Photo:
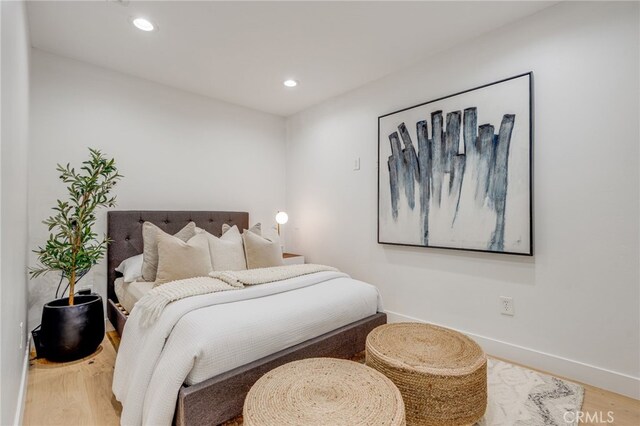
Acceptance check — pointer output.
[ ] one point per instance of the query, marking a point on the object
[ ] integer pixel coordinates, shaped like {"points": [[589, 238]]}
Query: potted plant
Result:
{"points": [[72, 327]]}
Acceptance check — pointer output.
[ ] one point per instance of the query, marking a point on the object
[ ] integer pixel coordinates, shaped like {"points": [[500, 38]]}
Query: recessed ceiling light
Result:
{"points": [[290, 83], [143, 24]]}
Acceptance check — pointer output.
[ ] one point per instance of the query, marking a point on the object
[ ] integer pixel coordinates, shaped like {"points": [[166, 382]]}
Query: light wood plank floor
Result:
{"points": [[77, 393], [80, 394]]}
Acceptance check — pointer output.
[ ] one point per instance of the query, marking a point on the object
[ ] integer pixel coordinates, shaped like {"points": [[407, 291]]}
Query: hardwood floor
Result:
{"points": [[77, 393], [80, 394]]}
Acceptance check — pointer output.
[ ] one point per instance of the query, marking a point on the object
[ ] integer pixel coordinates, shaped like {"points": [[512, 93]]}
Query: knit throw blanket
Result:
{"points": [[268, 275], [153, 303]]}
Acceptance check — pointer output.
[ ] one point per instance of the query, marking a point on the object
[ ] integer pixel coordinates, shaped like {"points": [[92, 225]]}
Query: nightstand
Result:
{"points": [[292, 259]]}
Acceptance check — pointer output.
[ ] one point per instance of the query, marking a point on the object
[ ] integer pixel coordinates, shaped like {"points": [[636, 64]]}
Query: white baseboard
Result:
{"points": [[571, 369], [22, 393]]}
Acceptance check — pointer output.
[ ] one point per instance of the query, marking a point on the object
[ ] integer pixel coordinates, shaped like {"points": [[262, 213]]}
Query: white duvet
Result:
{"points": [[202, 336]]}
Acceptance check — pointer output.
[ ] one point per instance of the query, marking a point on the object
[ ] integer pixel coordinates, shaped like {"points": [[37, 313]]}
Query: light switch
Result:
{"points": [[356, 164]]}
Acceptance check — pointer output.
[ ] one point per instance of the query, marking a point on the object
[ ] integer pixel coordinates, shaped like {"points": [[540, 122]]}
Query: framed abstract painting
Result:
{"points": [[456, 172]]}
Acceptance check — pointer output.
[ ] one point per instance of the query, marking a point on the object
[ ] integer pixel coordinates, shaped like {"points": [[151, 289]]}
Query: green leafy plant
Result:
{"points": [[73, 247]]}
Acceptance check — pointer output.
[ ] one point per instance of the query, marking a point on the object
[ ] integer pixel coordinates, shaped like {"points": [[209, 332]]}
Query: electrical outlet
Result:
{"points": [[506, 306], [21, 334]]}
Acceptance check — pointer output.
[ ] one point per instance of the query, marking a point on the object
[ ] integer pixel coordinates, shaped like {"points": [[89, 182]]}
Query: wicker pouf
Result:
{"points": [[441, 374], [323, 391]]}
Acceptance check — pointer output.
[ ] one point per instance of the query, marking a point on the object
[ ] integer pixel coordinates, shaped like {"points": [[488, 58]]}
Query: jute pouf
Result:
{"points": [[441, 374], [323, 391]]}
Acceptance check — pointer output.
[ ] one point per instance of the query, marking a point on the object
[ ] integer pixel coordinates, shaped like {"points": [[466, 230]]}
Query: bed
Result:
{"points": [[219, 397]]}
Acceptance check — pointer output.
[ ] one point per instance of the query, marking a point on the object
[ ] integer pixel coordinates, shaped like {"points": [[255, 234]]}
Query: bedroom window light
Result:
{"points": [[143, 24]]}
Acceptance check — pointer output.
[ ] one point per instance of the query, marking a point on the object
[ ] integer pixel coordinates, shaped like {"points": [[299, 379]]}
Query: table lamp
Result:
{"points": [[281, 219]]}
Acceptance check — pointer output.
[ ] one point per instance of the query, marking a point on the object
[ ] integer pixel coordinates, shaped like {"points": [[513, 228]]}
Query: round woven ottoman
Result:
{"points": [[441, 374], [323, 391]]}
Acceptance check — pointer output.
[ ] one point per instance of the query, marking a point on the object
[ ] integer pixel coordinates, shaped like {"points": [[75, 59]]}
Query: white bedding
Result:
{"points": [[129, 293], [203, 336]]}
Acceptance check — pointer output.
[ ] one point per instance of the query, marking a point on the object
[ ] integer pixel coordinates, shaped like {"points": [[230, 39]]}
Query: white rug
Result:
{"points": [[522, 397]]}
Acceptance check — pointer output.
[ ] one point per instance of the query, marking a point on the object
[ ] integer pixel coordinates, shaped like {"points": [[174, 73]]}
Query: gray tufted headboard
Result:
{"points": [[124, 229]]}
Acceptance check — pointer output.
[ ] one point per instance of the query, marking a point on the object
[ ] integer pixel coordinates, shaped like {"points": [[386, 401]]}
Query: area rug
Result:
{"points": [[517, 396], [522, 397]]}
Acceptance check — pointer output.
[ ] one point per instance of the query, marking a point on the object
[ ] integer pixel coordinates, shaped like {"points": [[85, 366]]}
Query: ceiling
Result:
{"points": [[241, 52]]}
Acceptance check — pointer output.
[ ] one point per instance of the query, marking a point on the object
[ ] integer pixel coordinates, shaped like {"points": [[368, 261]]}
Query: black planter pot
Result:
{"points": [[71, 332]]}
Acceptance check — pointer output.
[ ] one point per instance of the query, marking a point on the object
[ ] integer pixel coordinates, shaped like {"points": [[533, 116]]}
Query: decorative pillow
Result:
{"points": [[261, 252], [150, 234], [178, 260], [256, 229], [131, 268], [226, 252]]}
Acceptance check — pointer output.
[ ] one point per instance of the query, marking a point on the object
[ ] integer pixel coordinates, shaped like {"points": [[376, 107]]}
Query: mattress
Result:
{"points": [[255, 328], [129, 293], [203, 336]]}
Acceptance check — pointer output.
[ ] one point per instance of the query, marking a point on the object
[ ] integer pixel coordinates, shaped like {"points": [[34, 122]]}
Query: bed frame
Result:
{"points": [[219, 398]]}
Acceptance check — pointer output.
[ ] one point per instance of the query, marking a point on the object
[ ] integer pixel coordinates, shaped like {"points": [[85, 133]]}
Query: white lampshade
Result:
{"points": [[282, 218], [143, 24]]}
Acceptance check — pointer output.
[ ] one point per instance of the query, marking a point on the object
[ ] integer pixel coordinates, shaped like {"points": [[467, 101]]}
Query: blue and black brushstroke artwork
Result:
{"points": [[437, 167]]}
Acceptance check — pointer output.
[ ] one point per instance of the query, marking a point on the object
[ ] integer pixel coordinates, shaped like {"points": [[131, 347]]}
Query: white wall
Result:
{"points": [[576, 301], [14, 89], [177, 151]]}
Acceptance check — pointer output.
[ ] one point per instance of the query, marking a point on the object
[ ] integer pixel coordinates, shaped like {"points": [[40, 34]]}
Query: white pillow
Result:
{"points": [[261, 252], [256, 229], [131, 268], [227, 253], [178, 260], [150, 246]]}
